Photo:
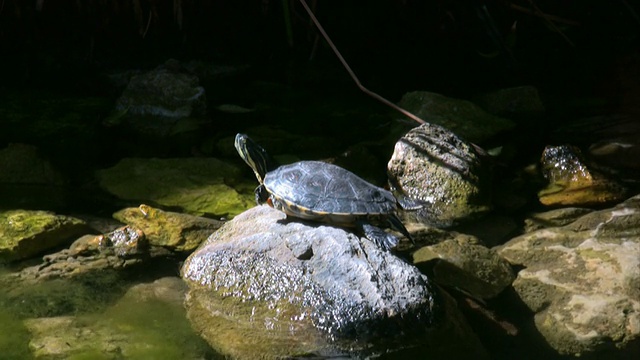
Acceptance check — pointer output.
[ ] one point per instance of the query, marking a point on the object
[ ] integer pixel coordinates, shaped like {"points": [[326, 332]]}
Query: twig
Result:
{"points": [[144, 34], [544, 15], [351, 73], [633, 13], [550, 23]]}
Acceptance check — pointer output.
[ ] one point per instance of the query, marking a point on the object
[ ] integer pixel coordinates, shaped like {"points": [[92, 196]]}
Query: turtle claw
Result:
{"points": [[380, 237]]}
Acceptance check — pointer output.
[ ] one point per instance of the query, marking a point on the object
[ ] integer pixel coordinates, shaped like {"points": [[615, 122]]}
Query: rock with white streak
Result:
{"points": [[582, 280]]}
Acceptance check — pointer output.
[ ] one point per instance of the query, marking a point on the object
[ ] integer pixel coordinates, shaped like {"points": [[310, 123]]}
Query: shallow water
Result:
{"points": [[93, 317]]}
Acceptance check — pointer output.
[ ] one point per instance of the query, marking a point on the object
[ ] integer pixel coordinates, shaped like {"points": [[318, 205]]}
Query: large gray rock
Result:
{"points": [[265, 287], [582, 280], [434, 166]]}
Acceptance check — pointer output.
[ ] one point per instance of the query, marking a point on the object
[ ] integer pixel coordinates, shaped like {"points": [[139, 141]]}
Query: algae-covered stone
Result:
{"points": [[175, 231], [25, 233], [197, 185], [571, 182], [441, 171], [460, 116], [466, 264]]}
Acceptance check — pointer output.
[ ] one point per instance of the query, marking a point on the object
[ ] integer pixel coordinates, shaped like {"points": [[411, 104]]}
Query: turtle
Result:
{"points": [[322, 192]]}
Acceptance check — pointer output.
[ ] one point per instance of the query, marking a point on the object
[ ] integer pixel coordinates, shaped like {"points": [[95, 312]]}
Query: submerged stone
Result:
{"points": [[147, 323]]}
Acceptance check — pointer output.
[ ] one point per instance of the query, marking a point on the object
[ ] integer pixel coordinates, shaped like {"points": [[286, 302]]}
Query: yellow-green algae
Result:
{"points": [[25, 233], [180, 232], [197, 185]]}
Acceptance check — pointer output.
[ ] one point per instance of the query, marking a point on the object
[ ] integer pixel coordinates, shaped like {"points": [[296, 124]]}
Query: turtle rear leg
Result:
{"points": [[396, 224], [379, 237]]}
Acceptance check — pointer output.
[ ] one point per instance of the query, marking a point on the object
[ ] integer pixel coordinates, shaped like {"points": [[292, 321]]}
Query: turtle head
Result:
{"points": [[254, 155]]}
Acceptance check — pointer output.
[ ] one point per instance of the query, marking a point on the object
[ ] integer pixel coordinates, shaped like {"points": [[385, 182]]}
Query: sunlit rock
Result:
{"points": [[571, 182], [24, 233], [171, 230], [441, 172], [197, 185], [263, 286], [89, 254], [582, 280]]}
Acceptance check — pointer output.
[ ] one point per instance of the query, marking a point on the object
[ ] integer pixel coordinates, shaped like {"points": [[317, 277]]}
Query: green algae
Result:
{"points": [[196, 185], [26, 233]]}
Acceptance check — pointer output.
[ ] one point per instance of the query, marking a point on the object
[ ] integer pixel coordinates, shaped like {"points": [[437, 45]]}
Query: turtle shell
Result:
{"points": [[321, 191]]}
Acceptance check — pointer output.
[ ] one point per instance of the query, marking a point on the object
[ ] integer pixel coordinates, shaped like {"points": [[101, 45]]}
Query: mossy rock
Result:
{"points": [[196, 185], [460, 116], [24, 233]]}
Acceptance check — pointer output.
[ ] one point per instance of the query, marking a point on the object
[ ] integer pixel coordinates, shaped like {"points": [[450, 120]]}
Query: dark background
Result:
{"points": [[453, 47]]}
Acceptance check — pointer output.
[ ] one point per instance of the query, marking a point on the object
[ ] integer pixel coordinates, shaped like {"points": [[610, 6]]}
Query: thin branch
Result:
{"points": [[541, 14], [148, 24], [550, 23], [631, 11], [351, 73]]}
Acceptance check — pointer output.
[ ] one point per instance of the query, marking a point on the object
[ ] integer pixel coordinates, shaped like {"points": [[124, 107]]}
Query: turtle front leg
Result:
{"points": [[262, 195], [379, 237]]}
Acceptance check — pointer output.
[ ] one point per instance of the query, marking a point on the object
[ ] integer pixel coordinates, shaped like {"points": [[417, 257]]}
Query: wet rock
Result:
{"points": [[171, 230], [572, 183], [460, 116], [24, 233], [116, 250], [197, 185], [155, 102], [466, 264], [21, 164], [432, 165], [618, 157], [553, 218], [26, 178], [582, 281], [516, 102], [147, 323], [262, 286]]}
